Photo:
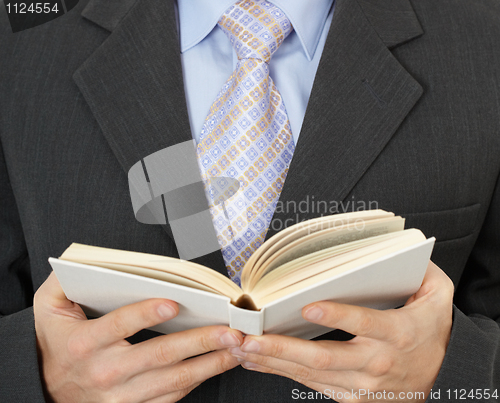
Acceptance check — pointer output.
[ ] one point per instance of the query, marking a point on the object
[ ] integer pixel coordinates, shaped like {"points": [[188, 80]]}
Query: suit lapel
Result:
{"points": [[134, 86], [360, 96], [133, 81]]}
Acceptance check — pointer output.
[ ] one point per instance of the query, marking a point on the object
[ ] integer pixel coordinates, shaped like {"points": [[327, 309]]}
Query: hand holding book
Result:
{"points": [[373, 265], [397, 352], [90, 360]]}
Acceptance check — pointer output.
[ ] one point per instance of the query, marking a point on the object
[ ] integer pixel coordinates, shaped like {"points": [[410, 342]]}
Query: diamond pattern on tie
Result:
{"points": [[247, 135]]}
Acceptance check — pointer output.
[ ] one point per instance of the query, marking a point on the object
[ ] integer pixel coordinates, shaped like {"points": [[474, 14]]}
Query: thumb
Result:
{"points": [[436, 284], [50, 296]]}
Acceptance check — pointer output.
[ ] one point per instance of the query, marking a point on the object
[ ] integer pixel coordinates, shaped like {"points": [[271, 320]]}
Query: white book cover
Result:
{"points": [[384, 283]]}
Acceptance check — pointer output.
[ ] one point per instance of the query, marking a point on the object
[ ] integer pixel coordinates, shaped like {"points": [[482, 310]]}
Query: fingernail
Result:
{"points": [[237, 352], [166, 311], [314, 313], [249, 365], [229, 340], [251, 346]]}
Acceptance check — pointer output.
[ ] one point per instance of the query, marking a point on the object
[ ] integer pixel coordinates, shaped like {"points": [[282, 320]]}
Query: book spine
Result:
{"points": [[246, 321]]}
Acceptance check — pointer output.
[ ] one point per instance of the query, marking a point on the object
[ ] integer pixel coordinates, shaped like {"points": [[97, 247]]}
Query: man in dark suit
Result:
{"points": [[404, 110]]}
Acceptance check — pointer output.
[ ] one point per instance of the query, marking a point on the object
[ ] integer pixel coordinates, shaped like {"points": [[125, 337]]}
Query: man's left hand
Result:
{"points": [[398, 350]]}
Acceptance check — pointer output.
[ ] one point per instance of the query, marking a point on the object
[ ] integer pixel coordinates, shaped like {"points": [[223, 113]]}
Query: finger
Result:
{"points": [[321, 355], [170, 349], [50, 299], [128, 320], [181, 376], [297, 371], [356, 320]]}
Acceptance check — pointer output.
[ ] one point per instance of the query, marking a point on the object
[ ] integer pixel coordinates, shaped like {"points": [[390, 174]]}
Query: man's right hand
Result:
{"points": [[89, 360]]}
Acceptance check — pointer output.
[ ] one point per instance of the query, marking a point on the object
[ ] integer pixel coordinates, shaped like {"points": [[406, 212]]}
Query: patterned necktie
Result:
{"points": [[247, 135]]}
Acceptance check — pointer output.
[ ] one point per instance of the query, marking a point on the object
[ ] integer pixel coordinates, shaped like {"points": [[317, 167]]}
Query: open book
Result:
{"points": [[364, 258]]}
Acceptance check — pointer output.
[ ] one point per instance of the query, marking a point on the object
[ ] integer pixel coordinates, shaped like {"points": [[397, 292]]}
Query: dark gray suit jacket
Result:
{"points": [[405, 111]]}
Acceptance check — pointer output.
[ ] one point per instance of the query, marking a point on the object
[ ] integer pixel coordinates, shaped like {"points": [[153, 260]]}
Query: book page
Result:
{"points": [[300, 230], [307, 266], [98, 256], [349, 232], [156, 274], [327, 269]]}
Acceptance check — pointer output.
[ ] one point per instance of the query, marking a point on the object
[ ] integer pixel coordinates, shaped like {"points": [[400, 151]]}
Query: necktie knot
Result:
{"points": [[256, 28]]}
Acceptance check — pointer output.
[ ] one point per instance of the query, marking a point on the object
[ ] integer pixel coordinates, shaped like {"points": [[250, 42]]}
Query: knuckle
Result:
{"points": [[302, 372], [277, 350], [103, 377], [205, 342], [323, 360], [183, 379], [118, 326], [163, 354], [365, 325], [380, 366], [405, 340]]}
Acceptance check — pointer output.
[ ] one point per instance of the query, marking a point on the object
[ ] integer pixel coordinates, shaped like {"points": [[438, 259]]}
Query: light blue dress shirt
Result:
{"points": [[208, 59]]}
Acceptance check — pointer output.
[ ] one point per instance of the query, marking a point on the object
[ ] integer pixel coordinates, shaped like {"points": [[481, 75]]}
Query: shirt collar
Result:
{"points": [[197, 18]]}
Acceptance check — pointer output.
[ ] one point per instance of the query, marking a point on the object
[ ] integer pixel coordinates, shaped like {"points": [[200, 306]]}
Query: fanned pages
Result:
{"points": [[124, 260]]}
